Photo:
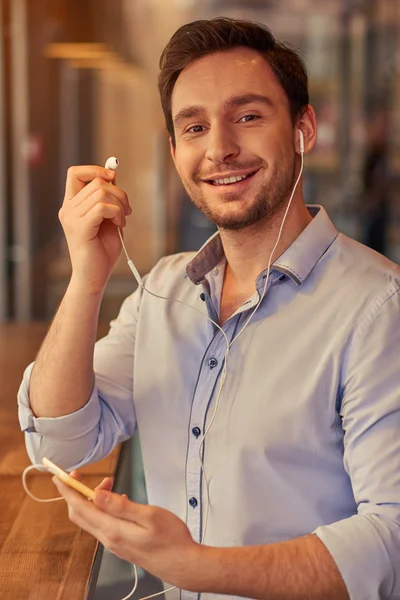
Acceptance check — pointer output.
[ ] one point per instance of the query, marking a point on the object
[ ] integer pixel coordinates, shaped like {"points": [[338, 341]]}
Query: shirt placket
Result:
{"points": [[207, 386]]}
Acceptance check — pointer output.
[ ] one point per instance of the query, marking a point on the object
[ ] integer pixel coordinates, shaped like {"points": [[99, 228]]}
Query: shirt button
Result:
{"points": [[212, 362], [202, 296], [196, 431], [193, 502]]}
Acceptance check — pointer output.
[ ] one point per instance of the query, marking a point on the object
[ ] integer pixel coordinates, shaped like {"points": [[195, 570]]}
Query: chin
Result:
{"points": [[237, 220]]}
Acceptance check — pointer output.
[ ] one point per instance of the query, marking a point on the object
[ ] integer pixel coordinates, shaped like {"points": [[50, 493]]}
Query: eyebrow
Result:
{"points": [[233, 102]]}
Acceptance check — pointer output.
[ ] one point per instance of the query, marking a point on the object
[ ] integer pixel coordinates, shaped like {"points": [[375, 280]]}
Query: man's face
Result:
{"points": [[232, 119]]}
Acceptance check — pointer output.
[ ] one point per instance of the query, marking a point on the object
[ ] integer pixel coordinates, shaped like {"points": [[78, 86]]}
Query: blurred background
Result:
{"points": [[78, 83]]}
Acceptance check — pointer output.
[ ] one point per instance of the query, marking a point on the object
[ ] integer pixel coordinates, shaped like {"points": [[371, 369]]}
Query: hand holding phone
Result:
{"points": [[80, 487]]}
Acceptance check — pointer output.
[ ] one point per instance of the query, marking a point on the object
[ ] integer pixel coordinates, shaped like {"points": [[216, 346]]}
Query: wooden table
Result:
{"points": [[43, 556]]}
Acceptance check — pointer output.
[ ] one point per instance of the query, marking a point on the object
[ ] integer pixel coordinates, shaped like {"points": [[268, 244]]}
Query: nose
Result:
{"points": [[221, 145]]}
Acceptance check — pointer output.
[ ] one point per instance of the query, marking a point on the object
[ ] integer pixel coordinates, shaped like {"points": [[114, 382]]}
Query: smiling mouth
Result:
{"points": [[229, 181]]}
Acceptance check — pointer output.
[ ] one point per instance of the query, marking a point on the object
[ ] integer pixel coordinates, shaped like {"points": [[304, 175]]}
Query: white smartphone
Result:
{"points": [[83, 488]]}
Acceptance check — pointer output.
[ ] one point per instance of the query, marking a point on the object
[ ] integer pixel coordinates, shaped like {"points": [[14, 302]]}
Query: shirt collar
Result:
{"points": [[297, 261]]}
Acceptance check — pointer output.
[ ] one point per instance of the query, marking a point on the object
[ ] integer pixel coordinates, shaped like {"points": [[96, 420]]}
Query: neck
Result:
{"points": [[248, 251]]}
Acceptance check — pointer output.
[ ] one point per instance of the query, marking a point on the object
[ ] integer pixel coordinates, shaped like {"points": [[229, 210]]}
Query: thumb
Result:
{"points": [[106, 484], [117, 506]]}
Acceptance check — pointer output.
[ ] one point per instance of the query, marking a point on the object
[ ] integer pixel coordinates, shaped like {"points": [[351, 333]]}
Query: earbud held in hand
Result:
{"points": [[111, 163]]}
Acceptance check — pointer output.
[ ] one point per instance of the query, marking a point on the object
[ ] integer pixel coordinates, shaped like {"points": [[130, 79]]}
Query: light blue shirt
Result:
{"points": [[307, 433]]}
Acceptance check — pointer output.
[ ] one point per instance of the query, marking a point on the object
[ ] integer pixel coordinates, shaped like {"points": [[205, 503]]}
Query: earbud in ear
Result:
{"points": [[301, 141]]}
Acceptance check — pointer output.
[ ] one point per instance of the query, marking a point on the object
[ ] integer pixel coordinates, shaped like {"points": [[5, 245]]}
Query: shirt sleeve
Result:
{"points": [[108, 418], [366, 546]]}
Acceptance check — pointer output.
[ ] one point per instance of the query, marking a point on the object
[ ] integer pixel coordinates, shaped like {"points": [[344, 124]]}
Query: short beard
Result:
{"points": [[268, 202]]}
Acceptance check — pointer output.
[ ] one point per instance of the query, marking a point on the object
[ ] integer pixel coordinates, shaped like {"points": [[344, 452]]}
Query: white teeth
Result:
{"points": [[227, 180]]}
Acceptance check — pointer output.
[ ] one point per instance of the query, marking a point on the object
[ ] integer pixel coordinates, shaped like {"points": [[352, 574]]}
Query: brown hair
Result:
{"points": [[200, 38]]}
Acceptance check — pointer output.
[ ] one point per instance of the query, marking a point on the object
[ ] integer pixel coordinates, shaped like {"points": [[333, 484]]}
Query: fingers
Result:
{"points": [[80, 511], [103, 189], [94, 193], [106, 484], [95, 217], [110, 531], [78, 177], [123, 508], [100, 196], [97, 190]]}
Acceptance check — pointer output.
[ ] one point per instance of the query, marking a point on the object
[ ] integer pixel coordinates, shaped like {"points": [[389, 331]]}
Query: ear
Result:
{"points": [[307, 124]]}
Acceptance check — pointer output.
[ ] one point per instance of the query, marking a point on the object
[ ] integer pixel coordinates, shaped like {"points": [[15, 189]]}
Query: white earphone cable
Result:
{"points": [[224, 371], [272, 253]]}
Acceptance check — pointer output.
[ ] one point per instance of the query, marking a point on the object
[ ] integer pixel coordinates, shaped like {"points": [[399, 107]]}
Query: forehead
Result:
{"points": [[210, 80]]}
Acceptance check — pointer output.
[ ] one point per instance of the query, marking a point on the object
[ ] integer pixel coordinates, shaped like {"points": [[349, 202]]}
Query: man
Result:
{"points": [[302, 457]]}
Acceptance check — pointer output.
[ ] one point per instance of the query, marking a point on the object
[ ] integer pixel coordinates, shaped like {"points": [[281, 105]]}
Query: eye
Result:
{"points": [[195, 129], [249, 118]]}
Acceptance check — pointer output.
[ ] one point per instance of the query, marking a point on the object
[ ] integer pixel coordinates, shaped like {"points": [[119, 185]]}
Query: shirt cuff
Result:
{"points": [[68, 427], [360, 555]]}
